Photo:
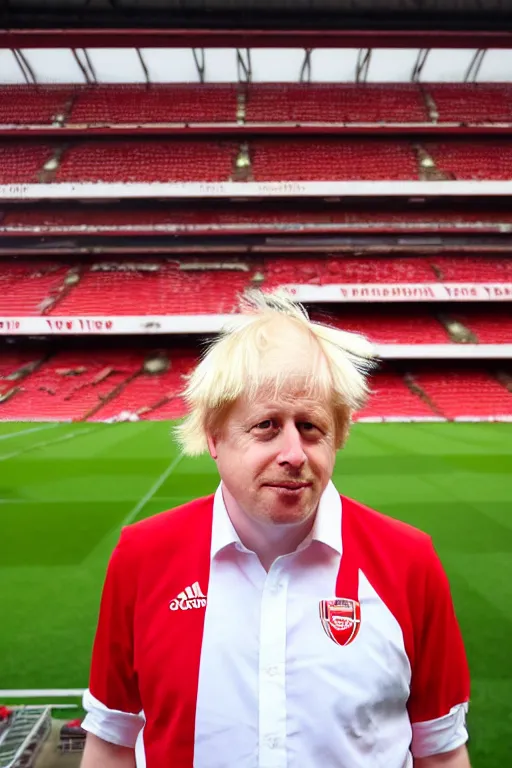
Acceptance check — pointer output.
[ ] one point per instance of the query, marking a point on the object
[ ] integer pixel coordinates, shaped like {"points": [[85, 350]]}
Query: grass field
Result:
{"points": [[66, 490]]}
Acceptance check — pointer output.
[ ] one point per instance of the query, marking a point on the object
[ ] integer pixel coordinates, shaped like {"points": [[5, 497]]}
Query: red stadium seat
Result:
{"points": [[335, 103], [33, 105], [158, 103], [149, 161], [460, 393], [391, 398]]}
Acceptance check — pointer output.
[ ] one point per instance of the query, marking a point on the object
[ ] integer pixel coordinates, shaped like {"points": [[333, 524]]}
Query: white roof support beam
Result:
{"points": [[144, 66], [25, 68], [364, 57], [200, 62], [244, 65], [81, 66], [475, 65], [255, 65], [419, 64], [305, 70]]}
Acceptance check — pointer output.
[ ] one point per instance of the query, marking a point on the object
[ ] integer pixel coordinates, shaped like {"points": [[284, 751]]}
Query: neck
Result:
{"points": [[266, 539]]}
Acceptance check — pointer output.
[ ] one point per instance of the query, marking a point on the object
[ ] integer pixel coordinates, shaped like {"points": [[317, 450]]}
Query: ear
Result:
{"points": [[212, 445]]}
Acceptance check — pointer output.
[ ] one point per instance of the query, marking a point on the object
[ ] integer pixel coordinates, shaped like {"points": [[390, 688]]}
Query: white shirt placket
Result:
{"points": [[272, 669]]}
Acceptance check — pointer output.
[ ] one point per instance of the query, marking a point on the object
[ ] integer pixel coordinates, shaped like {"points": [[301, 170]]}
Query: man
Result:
{"points": [[276, 623]]}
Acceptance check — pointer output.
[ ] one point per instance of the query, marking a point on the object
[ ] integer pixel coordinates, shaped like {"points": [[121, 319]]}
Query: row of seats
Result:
{"points": [[265, 160], [296, 103], [402, 269], [446, 393], [157, 287], [93, 219], [101, 385]]}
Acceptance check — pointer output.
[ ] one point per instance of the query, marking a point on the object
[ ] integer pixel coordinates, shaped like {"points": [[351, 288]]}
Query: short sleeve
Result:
{"points": [[440, 682], [112, 700]]}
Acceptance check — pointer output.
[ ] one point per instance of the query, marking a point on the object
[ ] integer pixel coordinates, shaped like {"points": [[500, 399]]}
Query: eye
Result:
{"points": [[264, 425], [309, 428]]}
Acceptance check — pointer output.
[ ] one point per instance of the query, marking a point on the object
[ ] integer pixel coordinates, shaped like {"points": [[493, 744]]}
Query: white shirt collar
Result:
{"points": [[326, 528]]}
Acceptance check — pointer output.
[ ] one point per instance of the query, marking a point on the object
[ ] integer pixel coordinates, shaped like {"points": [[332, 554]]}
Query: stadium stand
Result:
{"points": [[472, 268], [472, 102], [137, 104], [126, 104], [147, 161], [491, 325], [30, 288], [101, 384], [391, 396], [209, 286], [331, 160], [466, 394], [21, 163], [160, 287], [28, 105], [263, 160], [476, 160], [396, 325]]}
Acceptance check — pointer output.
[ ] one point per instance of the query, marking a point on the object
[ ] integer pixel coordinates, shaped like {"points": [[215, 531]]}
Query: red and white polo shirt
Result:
{"points": [[346, 654]]}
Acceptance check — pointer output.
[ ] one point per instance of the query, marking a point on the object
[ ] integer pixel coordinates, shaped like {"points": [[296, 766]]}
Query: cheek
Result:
{"points": [[322, 459], [245, 462]]}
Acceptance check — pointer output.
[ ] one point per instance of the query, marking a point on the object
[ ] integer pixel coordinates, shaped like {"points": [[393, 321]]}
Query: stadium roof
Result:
{"points": [[230, 65], [251, 14]]}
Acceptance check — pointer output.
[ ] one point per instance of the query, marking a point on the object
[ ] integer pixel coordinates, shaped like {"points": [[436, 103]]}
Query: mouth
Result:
{"points": [[289, 486]]}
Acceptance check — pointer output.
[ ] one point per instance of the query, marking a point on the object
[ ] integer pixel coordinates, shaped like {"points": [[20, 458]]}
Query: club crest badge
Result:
{"points": [[341, 619]]}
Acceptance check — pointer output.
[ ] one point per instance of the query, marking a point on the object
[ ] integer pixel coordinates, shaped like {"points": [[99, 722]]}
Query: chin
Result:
{"points": [[289, 515]]}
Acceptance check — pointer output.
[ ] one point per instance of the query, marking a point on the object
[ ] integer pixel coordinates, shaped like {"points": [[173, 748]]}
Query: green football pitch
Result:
{"points": [[67, 489]]}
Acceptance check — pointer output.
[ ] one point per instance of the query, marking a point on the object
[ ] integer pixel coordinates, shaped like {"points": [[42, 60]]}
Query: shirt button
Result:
{"points": [[272, 671], [273, 742]]}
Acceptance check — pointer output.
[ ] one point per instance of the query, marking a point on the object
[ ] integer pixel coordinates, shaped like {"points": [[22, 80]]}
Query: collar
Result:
{"points": [[326, 528]]}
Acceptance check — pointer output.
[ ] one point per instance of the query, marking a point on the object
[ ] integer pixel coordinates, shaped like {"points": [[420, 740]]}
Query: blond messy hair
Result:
{"points": [[250, 355]]}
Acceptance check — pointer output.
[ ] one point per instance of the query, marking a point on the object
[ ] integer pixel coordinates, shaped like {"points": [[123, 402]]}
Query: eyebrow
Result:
{"points": [[316, 414]]}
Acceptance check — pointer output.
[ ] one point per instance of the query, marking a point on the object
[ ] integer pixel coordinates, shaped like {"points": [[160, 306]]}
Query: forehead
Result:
{"points": [[291, 402]]}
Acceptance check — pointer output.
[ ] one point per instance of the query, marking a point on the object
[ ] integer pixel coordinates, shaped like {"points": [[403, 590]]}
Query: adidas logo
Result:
{"points": [[191, 597]]}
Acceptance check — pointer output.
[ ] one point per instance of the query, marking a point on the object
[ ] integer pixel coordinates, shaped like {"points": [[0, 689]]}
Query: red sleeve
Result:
{"points": [[440, 674], [113, 680]]}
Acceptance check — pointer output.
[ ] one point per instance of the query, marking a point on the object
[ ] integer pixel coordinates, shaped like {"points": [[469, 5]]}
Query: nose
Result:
{"points": [[291, 450]]}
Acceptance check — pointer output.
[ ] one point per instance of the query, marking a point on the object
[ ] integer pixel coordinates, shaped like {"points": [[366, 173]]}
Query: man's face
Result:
{"points": [[276, 455]]}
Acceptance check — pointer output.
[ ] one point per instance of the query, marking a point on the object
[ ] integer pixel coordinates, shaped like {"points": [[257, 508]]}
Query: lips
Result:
{"points": [[289, 486]]}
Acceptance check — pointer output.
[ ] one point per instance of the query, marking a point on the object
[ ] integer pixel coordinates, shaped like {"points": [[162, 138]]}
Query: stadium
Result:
{"points": [[152, 172]]}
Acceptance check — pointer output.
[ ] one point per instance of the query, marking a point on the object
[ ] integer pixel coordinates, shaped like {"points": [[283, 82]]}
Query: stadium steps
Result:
{"points": [[60, 292], [458, 332], [112, 395], [427, 166], [505, 379], [241, 105], [416, 389], [48, 172], [64, 116], [430, 104], [26, 734], [18, 375], [242, 165], [149, 409]]}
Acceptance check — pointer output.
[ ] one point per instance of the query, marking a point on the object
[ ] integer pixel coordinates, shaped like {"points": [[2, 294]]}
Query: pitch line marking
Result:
{"points": [[132, 514], [47, 443], [154, 488], [34, 693], [28, 431]]}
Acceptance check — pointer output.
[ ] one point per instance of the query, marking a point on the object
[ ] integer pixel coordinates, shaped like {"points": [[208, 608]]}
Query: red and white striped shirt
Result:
{"points": [[204, 659]]}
